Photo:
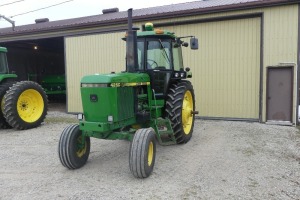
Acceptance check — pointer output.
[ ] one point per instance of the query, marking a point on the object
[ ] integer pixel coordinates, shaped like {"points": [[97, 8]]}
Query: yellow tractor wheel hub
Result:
{"points": [[187, 109], [80, 150], [150, 154], [2, 104], [30, 105]]}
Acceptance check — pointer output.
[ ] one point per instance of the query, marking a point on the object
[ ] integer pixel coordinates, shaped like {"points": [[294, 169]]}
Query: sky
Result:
{"points": [[70, 9]]}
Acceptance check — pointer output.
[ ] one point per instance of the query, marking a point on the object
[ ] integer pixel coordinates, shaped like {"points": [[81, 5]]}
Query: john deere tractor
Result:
{"points": [[23, 104], [151, 101]]}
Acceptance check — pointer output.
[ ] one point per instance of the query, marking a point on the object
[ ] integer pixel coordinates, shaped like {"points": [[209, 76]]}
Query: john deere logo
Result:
{"points": [[93, 98]]}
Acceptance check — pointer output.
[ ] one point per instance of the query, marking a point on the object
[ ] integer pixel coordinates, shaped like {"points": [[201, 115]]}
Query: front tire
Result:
{"points": [[25, 105], [73, 152], [142, 153], [180, 106]]}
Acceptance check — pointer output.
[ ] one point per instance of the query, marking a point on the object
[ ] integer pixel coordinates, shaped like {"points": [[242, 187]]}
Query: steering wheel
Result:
{"points": [[150, 63]]}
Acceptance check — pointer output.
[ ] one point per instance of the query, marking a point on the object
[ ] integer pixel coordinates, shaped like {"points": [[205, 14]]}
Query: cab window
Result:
{"points": [[177, 57], [3, 63], [140, 52], [159, 55]]}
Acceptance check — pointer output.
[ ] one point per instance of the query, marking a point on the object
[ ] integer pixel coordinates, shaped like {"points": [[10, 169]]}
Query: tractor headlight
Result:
{"points": [[80, 116], [176, 75], [110, 118], [182, 75]]}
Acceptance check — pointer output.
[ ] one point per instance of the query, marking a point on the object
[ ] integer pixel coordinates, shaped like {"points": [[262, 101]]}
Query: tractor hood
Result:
{"points": [[109, 98], [116, 79]]}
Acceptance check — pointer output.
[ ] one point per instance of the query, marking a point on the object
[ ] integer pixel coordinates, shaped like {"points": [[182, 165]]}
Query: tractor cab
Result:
{"points": [[3, 61], [159, 54]]}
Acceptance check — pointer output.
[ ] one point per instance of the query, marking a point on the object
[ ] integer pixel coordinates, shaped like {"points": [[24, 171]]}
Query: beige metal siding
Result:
{"points": [[280, 35], [91, 54], [280, 44], [226, 67]]}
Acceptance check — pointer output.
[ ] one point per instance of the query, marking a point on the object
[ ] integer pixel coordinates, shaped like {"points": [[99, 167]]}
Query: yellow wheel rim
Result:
{"points": [[150, 154], [30, 105], [2, 104], [81, 150], [187, 108]]}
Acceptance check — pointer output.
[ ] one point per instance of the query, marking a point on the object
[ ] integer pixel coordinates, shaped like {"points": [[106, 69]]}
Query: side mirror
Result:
{"points": [[176, 45], [194, 43], [185, 44]]}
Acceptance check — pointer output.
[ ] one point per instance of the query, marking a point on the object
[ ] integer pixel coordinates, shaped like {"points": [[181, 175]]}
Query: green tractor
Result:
{"points": [[151, 101], [54, 84], [55, 87], [23, 104]]}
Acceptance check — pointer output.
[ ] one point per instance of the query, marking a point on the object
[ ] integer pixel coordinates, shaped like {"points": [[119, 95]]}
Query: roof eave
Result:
{"points": [[224, 8], [183, 13]]}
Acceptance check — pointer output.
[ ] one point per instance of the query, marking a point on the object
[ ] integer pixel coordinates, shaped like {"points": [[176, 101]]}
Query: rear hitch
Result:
{"points": [[194, 112]]}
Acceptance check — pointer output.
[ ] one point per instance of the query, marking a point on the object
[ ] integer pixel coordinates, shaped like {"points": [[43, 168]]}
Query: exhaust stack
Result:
{"points": [[131, 46]]}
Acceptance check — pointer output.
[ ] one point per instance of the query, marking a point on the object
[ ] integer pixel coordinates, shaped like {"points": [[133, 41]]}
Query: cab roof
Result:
{"points": [[3, 49], [156, 33]]}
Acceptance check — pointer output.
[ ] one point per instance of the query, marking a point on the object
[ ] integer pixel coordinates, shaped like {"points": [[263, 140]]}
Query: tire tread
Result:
{"points": [[10, 108], [66, 156], [173, 109], [138, 155], [4, 87]]}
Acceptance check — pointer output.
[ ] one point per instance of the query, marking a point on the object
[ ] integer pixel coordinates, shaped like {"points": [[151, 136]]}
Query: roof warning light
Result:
{"points": [[149, 26]]}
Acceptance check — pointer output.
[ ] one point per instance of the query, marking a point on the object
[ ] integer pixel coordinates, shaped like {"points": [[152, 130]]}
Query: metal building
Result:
{"points": [[246, 67]]}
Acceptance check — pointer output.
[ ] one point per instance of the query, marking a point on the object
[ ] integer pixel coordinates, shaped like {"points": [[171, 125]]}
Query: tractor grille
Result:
{"points": [[125, 102]]}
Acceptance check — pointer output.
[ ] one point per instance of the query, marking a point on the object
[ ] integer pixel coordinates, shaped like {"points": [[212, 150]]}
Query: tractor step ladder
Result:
{"points": [[165, 134]]}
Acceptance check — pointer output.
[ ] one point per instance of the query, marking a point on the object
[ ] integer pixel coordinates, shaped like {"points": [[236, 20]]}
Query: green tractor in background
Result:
{"points": [[24, 104], [55, 87], [149, 102], [53, 84]]}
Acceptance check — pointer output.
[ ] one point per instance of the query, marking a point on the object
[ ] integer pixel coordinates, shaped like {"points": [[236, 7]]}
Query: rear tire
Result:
{"points": [[3, 88], [25, 105], [179, 107], [142, 153], [72, 153]]}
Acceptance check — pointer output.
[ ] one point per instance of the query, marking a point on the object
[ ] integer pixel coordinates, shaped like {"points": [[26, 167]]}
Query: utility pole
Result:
{"points": [[9, 20]]}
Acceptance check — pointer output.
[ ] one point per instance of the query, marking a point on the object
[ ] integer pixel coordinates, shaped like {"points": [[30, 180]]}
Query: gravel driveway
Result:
{"points": [[223, 160]]}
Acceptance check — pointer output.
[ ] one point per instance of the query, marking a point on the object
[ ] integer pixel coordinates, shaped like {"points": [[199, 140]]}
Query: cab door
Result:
{"points": [[159, 65]]}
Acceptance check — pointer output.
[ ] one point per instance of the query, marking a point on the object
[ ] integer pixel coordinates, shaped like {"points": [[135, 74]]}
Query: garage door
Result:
{"points": [[226, 68]]}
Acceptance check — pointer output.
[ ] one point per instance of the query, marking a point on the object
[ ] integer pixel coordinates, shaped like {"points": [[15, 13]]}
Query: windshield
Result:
{"points": [[158, 55], [3, 63]]}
